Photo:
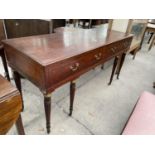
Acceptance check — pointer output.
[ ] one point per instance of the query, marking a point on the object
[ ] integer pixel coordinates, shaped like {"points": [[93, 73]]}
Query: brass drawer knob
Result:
{"points": [[75, 67], [98, 56]]}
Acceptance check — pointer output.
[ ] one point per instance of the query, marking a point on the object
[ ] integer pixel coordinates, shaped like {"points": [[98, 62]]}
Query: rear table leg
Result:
{"points": [[72, 94], [113, 70]]}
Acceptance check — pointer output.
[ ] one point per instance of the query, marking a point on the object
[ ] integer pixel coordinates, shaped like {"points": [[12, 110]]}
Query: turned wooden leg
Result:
{"points": [[17, 79], [5, 65], [47, 106], [121, 64], [19, 126], [72, 94]]}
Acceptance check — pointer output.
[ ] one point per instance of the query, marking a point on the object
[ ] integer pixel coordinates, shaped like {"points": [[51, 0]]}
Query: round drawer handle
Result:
{"points": [[98, 56], [75, 67]]}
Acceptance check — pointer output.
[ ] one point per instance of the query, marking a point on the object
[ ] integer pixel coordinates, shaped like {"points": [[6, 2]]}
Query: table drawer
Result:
{"points": [[75, 66]]}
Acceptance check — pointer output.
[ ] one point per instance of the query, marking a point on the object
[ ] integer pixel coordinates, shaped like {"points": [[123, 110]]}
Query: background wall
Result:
{"points": [[120, 25]]}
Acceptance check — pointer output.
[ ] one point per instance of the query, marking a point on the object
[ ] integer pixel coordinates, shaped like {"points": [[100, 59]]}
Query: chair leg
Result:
{"points": [[113, 70], [150, 38], [72, 95], [134, 53], [19, 126], [5, 65], [152, 42]]}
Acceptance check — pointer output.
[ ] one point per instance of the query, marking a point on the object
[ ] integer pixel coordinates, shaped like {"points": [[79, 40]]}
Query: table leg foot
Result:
{"points": [[72, 94], [47, 106]]}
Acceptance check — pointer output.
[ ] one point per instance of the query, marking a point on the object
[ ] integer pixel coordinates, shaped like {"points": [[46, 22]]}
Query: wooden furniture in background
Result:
{"points": [[137, 28], [51, 60], [10, 107], [151, 28], [89, 23], [55, 23], [16, 28], [2, 54]]}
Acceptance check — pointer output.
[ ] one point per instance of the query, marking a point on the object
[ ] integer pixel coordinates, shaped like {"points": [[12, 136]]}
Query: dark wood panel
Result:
{"points": [[25, 27]]}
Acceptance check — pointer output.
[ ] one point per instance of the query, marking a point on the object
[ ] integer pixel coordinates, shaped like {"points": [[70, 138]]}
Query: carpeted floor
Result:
{"points": [[98, 108]]}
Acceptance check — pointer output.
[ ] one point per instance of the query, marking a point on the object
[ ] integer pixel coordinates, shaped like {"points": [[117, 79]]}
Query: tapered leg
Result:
{"points": [[113, 70], [19, 126], [72, 94], [47, 106], [5, 65], [118, 64], [121, 64], [17, 79]]}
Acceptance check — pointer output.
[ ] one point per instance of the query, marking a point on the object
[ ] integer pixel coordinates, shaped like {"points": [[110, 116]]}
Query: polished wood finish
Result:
{"points": [[52, 60], [10, 107]]}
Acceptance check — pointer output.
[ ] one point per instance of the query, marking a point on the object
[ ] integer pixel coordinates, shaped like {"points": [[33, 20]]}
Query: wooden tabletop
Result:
{"points": [[51, 48]]}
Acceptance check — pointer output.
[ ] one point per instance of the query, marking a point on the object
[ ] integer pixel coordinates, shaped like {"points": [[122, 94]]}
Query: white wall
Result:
{"points": [[120, 25]]}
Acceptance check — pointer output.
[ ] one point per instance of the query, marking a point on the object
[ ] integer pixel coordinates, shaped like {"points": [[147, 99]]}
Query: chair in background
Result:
{"points": [[2, 54], [136, 27]]}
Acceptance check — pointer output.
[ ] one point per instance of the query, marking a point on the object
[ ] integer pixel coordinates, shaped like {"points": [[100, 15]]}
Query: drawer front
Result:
{"points": [[73, 67], [70, 69]]}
